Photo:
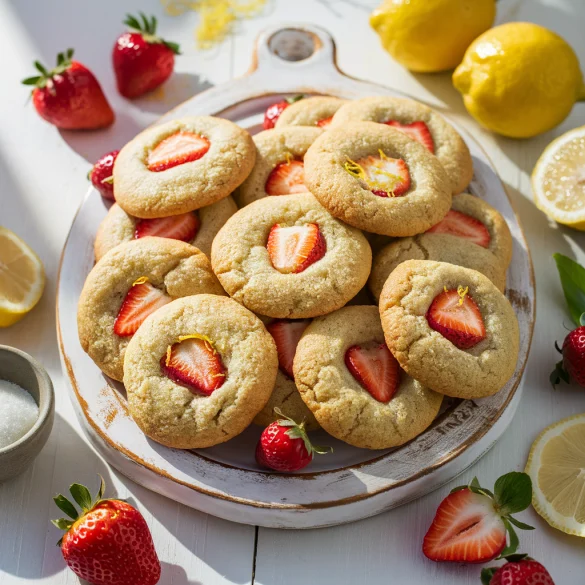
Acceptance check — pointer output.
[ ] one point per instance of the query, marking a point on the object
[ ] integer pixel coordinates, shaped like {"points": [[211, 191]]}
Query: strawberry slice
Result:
{"points": [[383, 176], [325, 122], [140, 301], [176, 227], [287, 178], [177, 149], [286, 335], [418, 131], [293, 249], [375, 368], [456, 316], [462, 225], [194, 363]]}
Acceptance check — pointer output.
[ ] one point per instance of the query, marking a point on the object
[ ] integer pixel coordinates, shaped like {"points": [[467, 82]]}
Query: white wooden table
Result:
{"points": [[42, 181]]}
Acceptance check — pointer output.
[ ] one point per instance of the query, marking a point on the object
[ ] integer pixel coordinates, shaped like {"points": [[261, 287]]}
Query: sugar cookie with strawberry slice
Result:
{"points": [[310, 111]]}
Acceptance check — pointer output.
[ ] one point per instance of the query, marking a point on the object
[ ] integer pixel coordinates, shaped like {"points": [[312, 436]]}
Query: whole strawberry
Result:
{"points": [[572, 366], [109, 543], [69, 96], [273, 112], [101, 175], [285, 446], [519, 570], [142, 60]]}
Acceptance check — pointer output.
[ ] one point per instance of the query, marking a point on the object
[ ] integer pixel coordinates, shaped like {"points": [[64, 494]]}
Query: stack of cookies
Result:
{"points": [[214, 317]]}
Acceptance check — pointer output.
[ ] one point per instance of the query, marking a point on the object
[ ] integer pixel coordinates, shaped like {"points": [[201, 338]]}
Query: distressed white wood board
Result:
{"points": [[224, 480]]}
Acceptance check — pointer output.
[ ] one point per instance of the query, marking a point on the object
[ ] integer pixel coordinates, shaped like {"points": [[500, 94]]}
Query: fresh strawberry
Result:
{"points": [[518, 570], [142, 60], [572, 366], [325, 122], [273, 112], [101, 175], [456, 316], [194, 362], [471, 523], [286, 335], [418, 131], [383, 176], [141, 300], [176, 227], [109, 543], [69, 96], [177, 149], [286, 178], [293, 249], [462, 225], [375, 368], [285, 446]]}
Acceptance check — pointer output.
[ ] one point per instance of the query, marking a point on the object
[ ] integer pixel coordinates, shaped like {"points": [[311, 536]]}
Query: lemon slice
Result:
{"points": [[556, 465], [22, 278], [558, 179]]}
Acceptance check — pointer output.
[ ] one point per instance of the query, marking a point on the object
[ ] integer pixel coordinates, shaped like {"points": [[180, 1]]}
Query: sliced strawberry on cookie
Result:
{"points": [[182, 227], [383, 176], [462, 225], [418, 131], [193, 362], [141, 300], [456, 316], [375, 368], [325, 122], [293, 249], [287, 178], [286, 334], [177, 149]]}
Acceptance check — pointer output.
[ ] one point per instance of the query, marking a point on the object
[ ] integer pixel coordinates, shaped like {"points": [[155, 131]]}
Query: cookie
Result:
{"points": [[131, 281], [312, 111], [198, 228], [438, 247], [450, 328], [375, 178], [279, 168], [354, 386], [198, 371], [286, 257], [420, 123], [181, 166]]}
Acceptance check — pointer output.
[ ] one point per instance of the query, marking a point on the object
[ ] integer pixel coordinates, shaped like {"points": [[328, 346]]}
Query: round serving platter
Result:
{"points": [[351, 483]]}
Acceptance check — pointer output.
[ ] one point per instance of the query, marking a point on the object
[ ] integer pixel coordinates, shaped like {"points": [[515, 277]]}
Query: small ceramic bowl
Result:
{"points": [[20, 368]]}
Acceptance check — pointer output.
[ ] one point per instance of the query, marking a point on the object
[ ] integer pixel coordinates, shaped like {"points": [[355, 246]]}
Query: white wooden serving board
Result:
{"points": [[351, 483]]}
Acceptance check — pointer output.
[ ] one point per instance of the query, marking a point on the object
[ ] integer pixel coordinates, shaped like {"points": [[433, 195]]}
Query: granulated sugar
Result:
{"points": [[18, 412]]}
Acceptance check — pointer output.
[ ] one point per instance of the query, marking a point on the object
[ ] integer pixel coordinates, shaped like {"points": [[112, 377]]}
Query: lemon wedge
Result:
{"points": [[22, 278], [558, 179], [556, 465]]}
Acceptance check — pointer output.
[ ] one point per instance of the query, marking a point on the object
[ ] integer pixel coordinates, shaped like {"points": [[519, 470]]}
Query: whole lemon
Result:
{"points": [[431, 35], [519, 79]]}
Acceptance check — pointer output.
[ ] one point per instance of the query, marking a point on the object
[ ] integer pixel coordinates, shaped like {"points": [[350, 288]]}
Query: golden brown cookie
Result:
{"points": [[311, 111], [198, 371]]}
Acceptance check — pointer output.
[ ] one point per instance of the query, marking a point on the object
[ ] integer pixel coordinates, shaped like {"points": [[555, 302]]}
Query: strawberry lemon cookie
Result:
{"points": [[357, 391], [450, 328], [279, 168], [313, 111], [286, 257], [375, 178], [128, 284], [181, 166], [195, 227], [198, 371], [420, 123]]}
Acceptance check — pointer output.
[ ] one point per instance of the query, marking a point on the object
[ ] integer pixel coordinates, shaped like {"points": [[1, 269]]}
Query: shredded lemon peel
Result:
{"points": [[462, 292], [358, 172], [289, 157], [141, 280]]}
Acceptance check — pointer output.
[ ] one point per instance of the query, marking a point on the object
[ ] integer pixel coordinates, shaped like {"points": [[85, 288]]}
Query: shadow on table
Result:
{"points": [[176, 575]]}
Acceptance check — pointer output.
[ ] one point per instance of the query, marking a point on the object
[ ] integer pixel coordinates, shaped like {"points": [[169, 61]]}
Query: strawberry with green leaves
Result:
{"points": [[273, 111], [518, 570]]}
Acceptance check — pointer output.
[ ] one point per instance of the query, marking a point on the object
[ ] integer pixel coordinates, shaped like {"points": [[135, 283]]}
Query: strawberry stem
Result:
{"points": [[147, 27], [298, 431]]}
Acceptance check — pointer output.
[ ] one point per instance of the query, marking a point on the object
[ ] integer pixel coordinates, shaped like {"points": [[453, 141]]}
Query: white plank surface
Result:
{"points": [[42, 179]]}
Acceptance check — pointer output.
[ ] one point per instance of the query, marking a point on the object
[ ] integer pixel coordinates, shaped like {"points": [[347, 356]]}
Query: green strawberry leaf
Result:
{"points": [[513, 540], [62, 523], [573, 282], [82, 496], [101, 489], [31, 80], [558, 374], [296, 98], [487, 575], [174, 47], [516, 558], [513, 492], [66, 506], [519, 524]]}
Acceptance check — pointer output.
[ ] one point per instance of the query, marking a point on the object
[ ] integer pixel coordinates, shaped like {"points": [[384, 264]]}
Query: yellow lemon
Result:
{"points": [[431, 35], [556, 465], [22, 278], [519, 79]]}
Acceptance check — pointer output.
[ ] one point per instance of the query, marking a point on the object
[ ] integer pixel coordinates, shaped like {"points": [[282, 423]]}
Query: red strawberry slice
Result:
{"points": [[466, 529], [418, 131], [456, 316], [176, 227], [325, 122], [462, 225], [287, 178], [384, 176], [286, 335], [177, 149], [194, 363], [293, 249], [375, 368], [140, 301]]}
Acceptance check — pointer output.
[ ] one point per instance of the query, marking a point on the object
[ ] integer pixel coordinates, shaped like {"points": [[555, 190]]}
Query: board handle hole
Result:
{"points": [[293, 44]]}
